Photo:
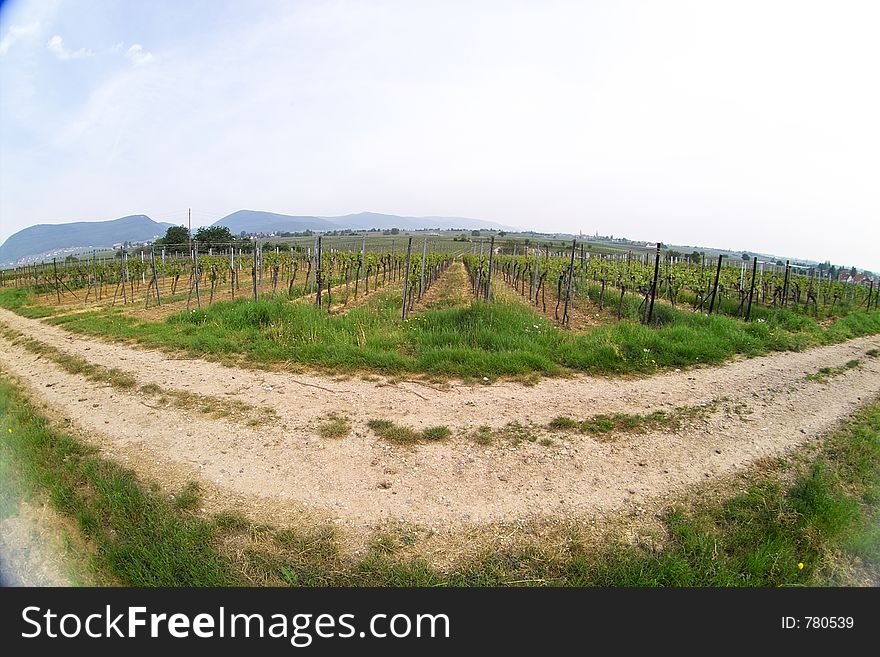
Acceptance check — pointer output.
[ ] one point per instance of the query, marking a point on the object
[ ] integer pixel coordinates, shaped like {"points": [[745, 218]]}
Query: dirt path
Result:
{"points": [[451, 289], [362, 480]]}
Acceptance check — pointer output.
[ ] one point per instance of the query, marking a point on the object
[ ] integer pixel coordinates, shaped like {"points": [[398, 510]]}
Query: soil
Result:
{"points": [[283, 469], [33, 550]]}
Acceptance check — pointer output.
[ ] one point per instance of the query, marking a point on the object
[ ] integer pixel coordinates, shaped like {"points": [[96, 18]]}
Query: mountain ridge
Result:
{"points": [[270, 222], [47, 238]]}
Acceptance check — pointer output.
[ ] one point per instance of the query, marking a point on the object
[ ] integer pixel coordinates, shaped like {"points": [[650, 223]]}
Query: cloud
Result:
{"points": [[138, 55], [56, 46], [16, 32]]}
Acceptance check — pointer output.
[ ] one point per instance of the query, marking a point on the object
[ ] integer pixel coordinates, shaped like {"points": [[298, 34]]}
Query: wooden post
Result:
{"points": [[124, 274], [196, 272], [254, 272], [95, 267], [650, 313], [58, 292], [489, 276], [155, 276], [568, 284], [318, 279], [785, 282], [715, 286], [534, 289], [363, 266], [752, 289], [406, 278], [422, 279]]}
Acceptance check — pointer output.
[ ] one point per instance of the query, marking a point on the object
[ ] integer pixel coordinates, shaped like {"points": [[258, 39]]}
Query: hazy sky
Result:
{"points": [[742, 125]]}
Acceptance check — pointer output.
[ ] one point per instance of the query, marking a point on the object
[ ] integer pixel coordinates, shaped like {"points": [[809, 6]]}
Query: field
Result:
{"points": [[421, 410]]}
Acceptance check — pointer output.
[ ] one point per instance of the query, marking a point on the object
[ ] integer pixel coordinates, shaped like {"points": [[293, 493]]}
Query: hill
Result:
{"points": [[43, 239], [253, 221]]}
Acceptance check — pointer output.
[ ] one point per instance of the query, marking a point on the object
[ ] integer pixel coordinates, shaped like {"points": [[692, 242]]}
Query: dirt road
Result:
{"points": [[765, 406]]}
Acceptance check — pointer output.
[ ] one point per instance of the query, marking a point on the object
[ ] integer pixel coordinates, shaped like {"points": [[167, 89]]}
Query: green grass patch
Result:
{"points": [[397, 433], [826, 373], [189, 497], [23, 302], [599, 425], [483, 435], [516, 432], [475, 341], [140, 538], [334, 427]]}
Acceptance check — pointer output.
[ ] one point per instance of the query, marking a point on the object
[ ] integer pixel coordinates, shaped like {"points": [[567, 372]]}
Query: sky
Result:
{"points": [[742, 125]]}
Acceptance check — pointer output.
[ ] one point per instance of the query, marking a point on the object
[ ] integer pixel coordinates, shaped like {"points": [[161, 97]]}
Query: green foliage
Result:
{"points": [[214, 236], [174, 236]]}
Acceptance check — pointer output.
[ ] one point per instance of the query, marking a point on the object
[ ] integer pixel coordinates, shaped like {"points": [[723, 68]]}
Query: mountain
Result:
{"points": [[252, 221], [255, 221], [48, 240], [366, 220], [45, 238]]}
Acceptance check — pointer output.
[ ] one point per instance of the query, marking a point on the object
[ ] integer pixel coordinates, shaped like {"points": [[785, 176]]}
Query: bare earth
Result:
{"points": [[285, 470], [32, 550]]}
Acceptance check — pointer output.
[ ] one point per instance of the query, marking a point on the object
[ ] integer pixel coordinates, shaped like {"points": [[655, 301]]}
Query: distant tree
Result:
{"points": [[779, 263], [475, 233], [208, 236], [501, 233], [175, 235], [695, 257], [746, 256], [853, 271], [395, 231]]}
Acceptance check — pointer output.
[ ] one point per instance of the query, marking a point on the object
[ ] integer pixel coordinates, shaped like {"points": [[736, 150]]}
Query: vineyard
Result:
{"points": [[380, 402], [333, 278], [630, 285], [505, 308]]}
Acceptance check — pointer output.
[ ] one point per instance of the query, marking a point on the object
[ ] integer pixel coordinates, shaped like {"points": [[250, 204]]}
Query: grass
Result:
{"points": [[139, 538], [600, 425], [483, 435], [826, 373], [515, 432], [820, 511], [189, 497], [475, 341], [334, 427], [405, 435]]}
